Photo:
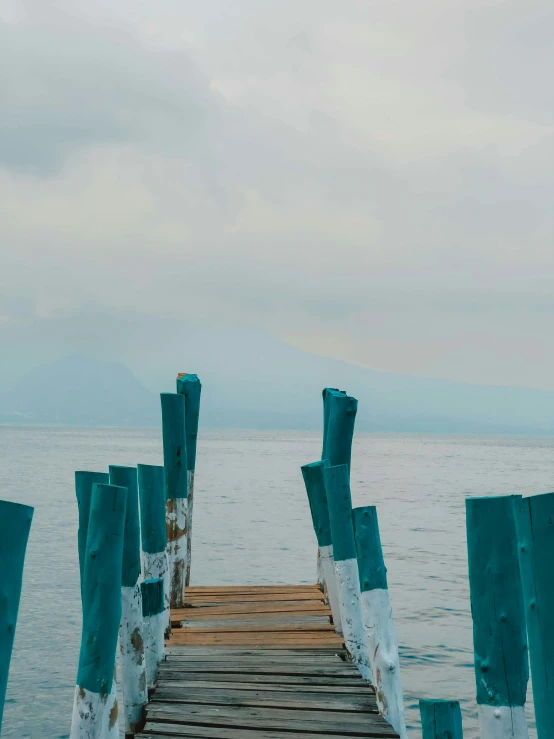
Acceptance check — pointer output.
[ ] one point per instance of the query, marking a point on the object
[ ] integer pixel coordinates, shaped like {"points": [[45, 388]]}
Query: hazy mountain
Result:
{"points": [[79, 391], [250, 380]]}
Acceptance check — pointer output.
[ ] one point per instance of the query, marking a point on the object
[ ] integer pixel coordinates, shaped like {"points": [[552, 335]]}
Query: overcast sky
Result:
{"points": [[370, 180]]}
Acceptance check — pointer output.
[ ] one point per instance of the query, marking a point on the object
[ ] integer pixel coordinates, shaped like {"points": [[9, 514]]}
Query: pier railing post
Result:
{"points": [[339, 501], [535, 517], [441, 719], [83, 491], [131, 642], [15, 524], [153, 530], [176, 491], [154, 627], [378, 623], [499, 634], [339, 414], [189, 385], [315, 488], [95, 710]]}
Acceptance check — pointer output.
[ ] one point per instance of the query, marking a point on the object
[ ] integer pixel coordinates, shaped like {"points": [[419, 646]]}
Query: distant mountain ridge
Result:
{"points": [[78, 391], [250, 379]]}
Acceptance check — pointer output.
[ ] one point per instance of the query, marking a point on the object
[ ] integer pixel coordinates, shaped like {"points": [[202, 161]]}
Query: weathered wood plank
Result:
{"points": [[174, 650], [255, 598], [266, 718], [183, 693], [170, 731], [265, 682], [223, 589], [229, 668], [355, 682], [264, 619], [278, 628]]}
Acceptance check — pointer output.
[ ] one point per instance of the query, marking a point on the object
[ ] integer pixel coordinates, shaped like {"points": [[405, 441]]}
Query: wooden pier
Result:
{"points": [[260, 662]]}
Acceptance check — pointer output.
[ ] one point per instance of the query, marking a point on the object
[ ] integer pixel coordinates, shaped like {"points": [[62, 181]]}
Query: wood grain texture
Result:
{"points": [[260, 663]]}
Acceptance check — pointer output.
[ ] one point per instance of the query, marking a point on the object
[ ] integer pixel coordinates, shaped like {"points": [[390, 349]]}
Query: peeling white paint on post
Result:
{"points": [[95, 709], [378, 622], [499, 631], [153, 531], [190, 387], [154, 627], [131, 643], [176, 491], [339, 503], [317, 498]]}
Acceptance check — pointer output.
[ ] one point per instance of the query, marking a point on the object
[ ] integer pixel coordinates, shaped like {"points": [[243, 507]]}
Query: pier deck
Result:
{"points": [[259, 662]]}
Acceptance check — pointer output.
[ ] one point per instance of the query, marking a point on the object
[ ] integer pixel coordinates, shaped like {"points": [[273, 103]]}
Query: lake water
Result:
{"points": [[252, 525]]}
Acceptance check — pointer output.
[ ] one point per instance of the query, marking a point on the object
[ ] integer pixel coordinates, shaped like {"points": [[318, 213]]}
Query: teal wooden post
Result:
{"points": [[191, 388], [378, 623], [131, 643], [153, 530], [339, 502], [176, 491], [83, 490], [94, 715], [317, 498], [154, 627], [440, 719], [499, 635], [15, 524], [536, 553], [339, 417]]}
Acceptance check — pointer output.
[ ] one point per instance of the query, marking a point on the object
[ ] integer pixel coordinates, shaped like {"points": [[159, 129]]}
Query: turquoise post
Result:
{"points": [[153, 528], [326, 393], [83, 490], [499, 634], [127, 477], [317, 498], [15, 524], [152, 613], [189, 386], [440, 719], [339, 501], [174, 445], [340, 412], [93, 713], [536, 553], [377, 614], [131, 643], [176, 489]]}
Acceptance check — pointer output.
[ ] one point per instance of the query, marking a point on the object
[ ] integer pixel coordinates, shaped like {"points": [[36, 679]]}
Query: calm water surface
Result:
{"points": [[252, 525]]}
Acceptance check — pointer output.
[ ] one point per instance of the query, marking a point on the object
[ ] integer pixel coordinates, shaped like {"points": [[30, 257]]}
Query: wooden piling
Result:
{"points": [[131, 642], [190, 387], [440, 719], [154, 627], [535, 523], [315, 488], [84, 481], [176, 491], [378, 622], [339, 501], [15, 524], [499, 633], [339, 417], [153, 530], [95, 715]]}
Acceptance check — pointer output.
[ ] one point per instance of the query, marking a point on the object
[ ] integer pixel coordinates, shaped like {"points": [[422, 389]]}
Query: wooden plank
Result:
{"points": [[271, 698], [277, 628], [219, 589], [259, 639], [266, 682], [353, 682], [252, 658], [263, 619], [254, 598], [178, 614], [269, 718], [184, 652], [231, 668], [170, 731]]}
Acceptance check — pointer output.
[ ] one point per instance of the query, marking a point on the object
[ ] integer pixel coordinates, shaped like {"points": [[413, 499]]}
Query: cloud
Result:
{"points": [[372, 179]]}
